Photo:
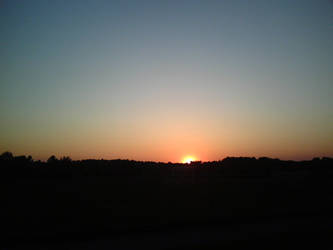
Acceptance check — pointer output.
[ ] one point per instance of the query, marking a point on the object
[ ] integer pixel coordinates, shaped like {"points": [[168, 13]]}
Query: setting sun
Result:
{"points": [[188, 159]]}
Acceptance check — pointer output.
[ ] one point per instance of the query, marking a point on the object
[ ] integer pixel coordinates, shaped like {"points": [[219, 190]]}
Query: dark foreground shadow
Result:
{"points": [[120, 204]]}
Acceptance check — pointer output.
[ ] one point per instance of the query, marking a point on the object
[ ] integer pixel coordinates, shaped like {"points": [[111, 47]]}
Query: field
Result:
{"points": [[125, 203]]}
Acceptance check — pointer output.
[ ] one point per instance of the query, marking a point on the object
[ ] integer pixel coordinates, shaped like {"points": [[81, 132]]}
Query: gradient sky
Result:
{"points": [[158, 80]]}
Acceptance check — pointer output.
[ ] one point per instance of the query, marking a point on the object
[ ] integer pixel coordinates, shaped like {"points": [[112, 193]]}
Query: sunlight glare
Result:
{"points": [[188, 159]]}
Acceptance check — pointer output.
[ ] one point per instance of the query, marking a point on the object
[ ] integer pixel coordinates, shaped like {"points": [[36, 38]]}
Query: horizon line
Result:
{"points": [[165, 162]]}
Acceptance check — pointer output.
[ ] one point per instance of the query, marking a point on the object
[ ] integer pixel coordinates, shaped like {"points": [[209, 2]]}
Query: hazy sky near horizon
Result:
{"points": [[158, 80]]}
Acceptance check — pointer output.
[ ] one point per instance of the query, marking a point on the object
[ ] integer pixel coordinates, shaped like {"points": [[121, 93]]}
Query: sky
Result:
{"points": [[161, 80]]}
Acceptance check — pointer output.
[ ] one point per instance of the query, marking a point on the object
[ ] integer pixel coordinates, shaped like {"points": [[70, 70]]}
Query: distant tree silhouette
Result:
{"points": [[52, 159], [7, 156], [65, 159], [29, 158]]}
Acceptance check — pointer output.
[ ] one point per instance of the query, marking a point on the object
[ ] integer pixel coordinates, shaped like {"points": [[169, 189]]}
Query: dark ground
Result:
{"points": [[118, 204]]}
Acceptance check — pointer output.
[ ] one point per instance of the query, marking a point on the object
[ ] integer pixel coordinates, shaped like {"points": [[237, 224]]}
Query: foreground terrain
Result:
{"points": [[120, 204]]}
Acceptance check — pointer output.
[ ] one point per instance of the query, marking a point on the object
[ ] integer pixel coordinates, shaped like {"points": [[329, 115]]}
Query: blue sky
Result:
{"points": [[157, 80]]}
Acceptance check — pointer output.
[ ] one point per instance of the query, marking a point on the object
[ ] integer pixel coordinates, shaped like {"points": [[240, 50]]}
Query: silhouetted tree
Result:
{"points": [[52, 160], [7, 156], [29, 158], [65, 159]]}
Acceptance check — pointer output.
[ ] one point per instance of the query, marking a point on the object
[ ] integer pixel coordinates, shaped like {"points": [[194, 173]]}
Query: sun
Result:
{"points": [[188, 159]]}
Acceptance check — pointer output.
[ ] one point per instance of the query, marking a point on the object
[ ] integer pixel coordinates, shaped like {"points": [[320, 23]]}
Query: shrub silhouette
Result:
{"points": [[52, 160], [6, 156]]}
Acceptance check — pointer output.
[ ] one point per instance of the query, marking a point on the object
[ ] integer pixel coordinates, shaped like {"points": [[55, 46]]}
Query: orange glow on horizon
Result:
{"points": [[188, 159]]}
